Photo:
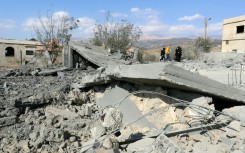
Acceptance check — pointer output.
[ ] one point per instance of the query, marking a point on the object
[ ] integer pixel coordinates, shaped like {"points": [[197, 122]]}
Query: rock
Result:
{"points": [[236, 112], [57, 121], [87, 145], [76, 144], [37, 114], [197, 115], [233, 129], [237, 151], [203, 101], [62, 145], [88, 110], [112, 119], [97, 131], [45, 148], [110, 143], [33, 136], [41, 97], [103, 150], [61, 75], [24, 144], [38, 143], [51, 112], [7, 121], [76, 97], [55, 135], [143, 145], [72, 139], [107, 144]]}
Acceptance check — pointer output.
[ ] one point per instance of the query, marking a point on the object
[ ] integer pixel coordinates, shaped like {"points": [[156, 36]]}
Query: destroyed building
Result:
{"points": [[84, 55], [17, 52], [101, 103]]}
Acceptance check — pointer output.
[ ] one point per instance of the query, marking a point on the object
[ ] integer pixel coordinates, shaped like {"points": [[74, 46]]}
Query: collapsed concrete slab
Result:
{"points": [[166, 75], [88, 55], [128, 108]]}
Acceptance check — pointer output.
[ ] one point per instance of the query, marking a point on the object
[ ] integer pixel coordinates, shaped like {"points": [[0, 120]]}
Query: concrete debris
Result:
{"points": [[103, 104], [111, 118]]}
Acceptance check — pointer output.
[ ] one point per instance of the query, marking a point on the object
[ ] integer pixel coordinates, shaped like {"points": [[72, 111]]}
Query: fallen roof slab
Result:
{"points": [[128, 108], [168, 75], [96, 55]]}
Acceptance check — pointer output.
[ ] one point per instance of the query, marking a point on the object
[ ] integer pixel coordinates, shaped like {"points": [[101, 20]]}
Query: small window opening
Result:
{"points": [[29, 52], [227, 42], [9, 51], [240, 29]]}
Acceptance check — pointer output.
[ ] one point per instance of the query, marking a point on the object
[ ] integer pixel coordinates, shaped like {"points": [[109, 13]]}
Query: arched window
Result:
{"points": [[9, 51]]}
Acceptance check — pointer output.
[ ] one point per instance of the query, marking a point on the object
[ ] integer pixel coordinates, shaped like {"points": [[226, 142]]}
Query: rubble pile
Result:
{"points": [[116, 110]]}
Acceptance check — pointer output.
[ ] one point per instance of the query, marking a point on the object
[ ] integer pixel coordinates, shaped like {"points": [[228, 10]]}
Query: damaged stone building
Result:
{"points": [[233, 39], [17, 52]]}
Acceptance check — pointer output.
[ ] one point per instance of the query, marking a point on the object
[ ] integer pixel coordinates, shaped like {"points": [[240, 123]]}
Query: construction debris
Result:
{"points": [[118, 108]]}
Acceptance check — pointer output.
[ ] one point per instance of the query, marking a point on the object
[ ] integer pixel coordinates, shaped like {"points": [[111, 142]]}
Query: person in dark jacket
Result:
{"points": [[178, 53], [162, 54]]}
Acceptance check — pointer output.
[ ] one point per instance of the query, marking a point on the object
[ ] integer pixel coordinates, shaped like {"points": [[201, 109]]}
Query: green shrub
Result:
{"points": [[150, 58]]}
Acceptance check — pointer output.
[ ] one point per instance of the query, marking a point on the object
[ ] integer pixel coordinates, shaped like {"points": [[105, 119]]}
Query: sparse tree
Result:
{"points": [[203, 44], [54, 32], [116, 35]]}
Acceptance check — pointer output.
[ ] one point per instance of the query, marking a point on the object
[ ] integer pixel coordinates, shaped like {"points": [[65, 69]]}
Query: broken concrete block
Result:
{"points": [[200, 112], [76, 144], [57, 121], [113, 118], [107, 144], [45, 148], [110, 143], [97, 131], [87, 145], [7, 121], [72, 139], [143, 145], [51, 112], [236, 112], [33, 136], [88, 110], [237, 151], [203, 101], [24, 144], [164, 144], [61, 75], [103, 150], [55, 135], [233, 129], [75, 96]]}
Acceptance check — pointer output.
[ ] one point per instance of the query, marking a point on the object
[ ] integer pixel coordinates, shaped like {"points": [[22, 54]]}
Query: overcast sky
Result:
{"points": [[156, 18]]}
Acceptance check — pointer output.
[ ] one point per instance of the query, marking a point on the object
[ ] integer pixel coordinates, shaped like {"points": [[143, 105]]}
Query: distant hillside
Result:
{"points": [[152, 44]]}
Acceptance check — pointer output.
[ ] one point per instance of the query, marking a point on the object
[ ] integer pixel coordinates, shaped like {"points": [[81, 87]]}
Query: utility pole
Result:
{"points": [[205, 26]]}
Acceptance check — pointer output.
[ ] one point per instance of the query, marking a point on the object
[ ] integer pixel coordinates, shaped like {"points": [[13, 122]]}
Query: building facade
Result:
{"points": [[16, 52], [233, 39]]}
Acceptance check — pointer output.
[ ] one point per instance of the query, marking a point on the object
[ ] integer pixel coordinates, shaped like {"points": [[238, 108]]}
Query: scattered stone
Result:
{"points": [[233, 129]]}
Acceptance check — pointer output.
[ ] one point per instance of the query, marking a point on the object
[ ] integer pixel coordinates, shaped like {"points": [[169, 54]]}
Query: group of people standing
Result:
{"points": [[165, 54]]}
